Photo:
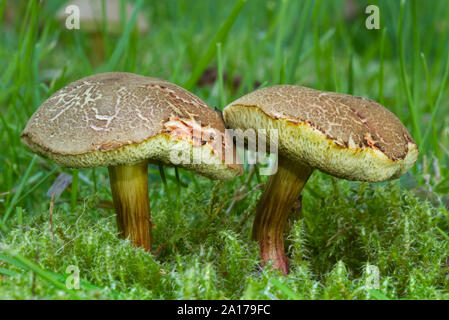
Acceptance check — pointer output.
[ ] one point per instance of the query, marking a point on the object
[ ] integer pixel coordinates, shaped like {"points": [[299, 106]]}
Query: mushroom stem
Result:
{"points": [[129, 185], [281, 192]]}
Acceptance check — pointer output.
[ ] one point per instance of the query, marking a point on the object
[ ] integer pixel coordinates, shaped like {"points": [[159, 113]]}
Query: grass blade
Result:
{"points": [[19, 189], [378, 295], [414, 112], [74, 193], [278, 53], [211, 50], [220, 77], [23, 263], [112, 63], [381, 65], [286, 290], [437, 102], [304, 20]]}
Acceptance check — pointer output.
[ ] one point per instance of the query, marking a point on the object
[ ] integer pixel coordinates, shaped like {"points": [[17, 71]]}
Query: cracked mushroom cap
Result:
{"points": [[122, 119], [346, 136]]}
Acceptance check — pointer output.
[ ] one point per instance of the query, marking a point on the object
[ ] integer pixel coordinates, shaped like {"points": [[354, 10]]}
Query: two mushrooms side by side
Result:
{"points": [[345, 136], [123, 121]]}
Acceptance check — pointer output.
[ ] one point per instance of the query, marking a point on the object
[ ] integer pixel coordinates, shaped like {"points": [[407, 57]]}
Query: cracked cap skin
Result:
{"points": [[121, 118], [347, 136]]}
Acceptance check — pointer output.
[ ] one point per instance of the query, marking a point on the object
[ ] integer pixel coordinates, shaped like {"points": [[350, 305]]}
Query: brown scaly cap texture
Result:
{"points": [[118, 118], [327, 129]]}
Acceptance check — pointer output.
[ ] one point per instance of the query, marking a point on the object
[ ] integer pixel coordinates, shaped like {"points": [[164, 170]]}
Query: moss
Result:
{"points": [[200, 256]]}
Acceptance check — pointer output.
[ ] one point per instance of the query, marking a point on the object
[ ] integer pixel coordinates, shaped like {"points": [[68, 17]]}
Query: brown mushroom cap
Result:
{"points": [[121, 118], [349, 137]]}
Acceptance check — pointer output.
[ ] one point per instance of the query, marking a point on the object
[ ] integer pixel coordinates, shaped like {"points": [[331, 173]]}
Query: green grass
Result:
{"points": [[400, 227]]}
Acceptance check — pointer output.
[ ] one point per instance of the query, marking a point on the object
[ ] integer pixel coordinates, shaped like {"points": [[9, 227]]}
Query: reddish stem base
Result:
{"points": [[281, 192]]}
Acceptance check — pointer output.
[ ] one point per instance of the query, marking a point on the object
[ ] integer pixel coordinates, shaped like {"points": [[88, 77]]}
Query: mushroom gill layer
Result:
{"points": [[163, 147], [301, 142]]}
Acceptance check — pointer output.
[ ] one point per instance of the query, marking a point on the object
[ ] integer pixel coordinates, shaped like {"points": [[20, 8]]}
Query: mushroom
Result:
{"points": [[345, 136], [123, 121]]}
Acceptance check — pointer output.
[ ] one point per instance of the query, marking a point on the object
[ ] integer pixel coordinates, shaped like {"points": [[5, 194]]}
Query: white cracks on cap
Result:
{"points": [[172, 93], [121, 92], [174, 108], [69, 104], [70, 100], [96, 128], [108, 119]]}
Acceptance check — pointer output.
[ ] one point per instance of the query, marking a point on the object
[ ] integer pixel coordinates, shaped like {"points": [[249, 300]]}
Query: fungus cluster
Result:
{"points": [[124, 121]]}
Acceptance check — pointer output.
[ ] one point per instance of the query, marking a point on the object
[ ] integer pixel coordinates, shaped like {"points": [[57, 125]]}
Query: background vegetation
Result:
{"points": [[202, 249]]}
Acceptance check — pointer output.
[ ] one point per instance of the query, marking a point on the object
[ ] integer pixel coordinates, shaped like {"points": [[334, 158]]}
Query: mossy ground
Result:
{"points": [[345, 232], [202, 253]]}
